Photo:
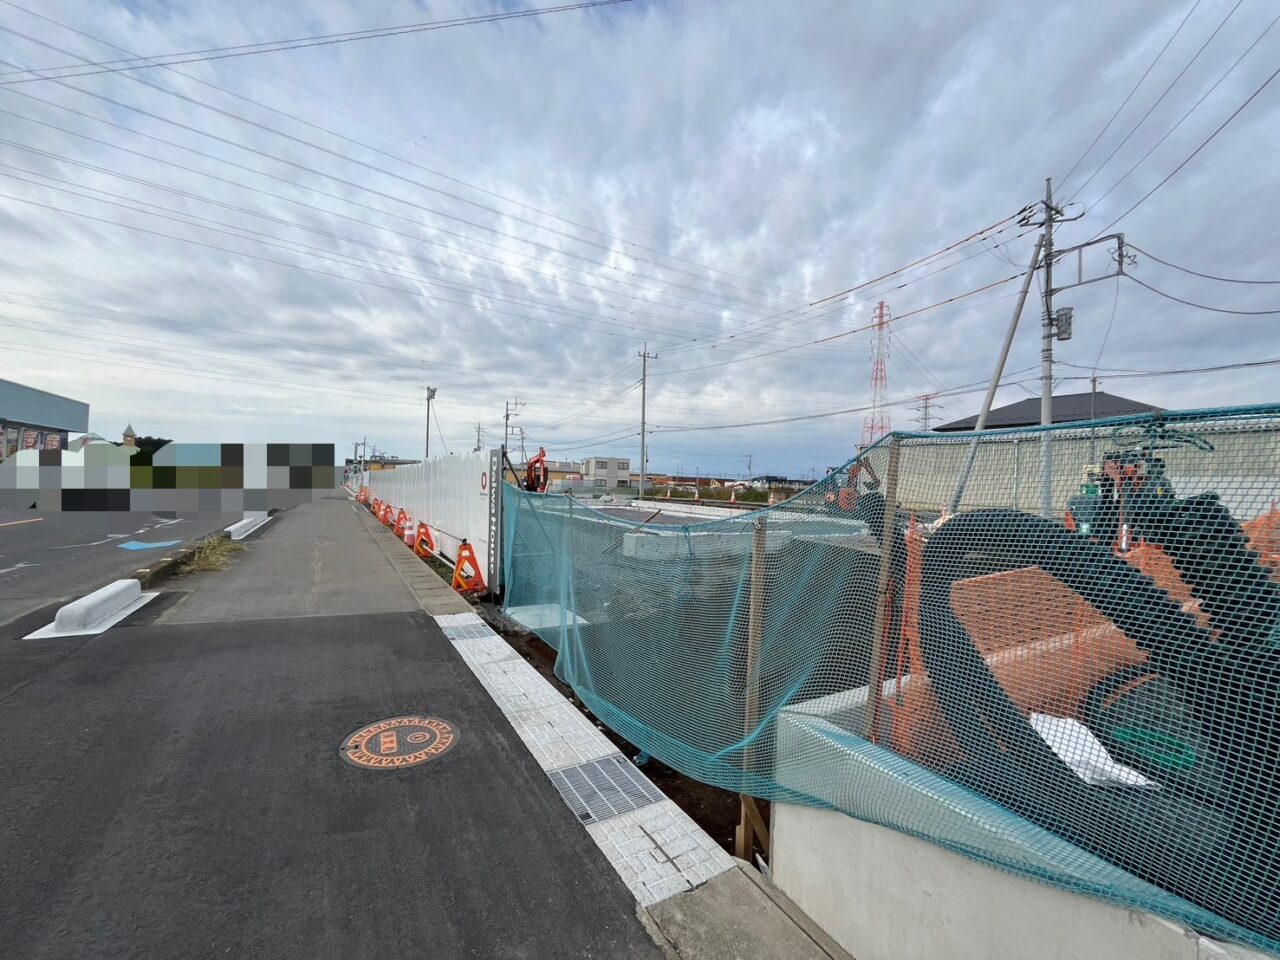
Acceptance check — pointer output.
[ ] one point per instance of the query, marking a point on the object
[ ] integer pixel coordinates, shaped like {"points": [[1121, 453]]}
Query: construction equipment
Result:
{"points": [[536, 474], [1192, 708]]}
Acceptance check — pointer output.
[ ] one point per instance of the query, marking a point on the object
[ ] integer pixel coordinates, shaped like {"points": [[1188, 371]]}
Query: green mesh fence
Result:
{"points": [[1056, 651]]}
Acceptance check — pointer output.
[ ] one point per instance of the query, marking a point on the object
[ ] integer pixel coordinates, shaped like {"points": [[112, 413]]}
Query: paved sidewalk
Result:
{"points": [[174, 787]]}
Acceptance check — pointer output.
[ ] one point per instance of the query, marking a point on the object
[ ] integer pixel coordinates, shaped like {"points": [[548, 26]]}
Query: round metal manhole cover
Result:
{"points": [[398, 742]]}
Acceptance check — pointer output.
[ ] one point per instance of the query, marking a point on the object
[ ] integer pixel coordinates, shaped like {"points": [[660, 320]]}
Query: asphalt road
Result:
{"points": [[53, 557], [175, 789]]}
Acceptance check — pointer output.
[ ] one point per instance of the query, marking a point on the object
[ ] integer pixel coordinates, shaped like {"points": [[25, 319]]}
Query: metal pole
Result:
{"points": [[997, 374], [883, 597], [426, 449], [645, 357], [1046, 359], [644, 390]]}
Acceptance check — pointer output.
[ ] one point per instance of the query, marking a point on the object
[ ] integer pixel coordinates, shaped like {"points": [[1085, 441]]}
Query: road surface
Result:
{"points": [[49, 558]]}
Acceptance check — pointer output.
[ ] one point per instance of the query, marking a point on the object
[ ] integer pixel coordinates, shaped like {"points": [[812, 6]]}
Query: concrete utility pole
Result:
{"points": [[997, 374], [426, 447], [479, 437], [748, 468], [645, 357], [512, 407], [1046, 358]]}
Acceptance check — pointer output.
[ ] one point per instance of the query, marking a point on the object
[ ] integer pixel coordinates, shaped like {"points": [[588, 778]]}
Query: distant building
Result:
{"points": [[1067, 408], [608, 473], [32, 419], [379, 462]]}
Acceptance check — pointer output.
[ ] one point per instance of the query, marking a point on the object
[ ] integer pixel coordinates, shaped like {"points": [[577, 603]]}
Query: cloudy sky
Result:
{"points": [[292, 246]]}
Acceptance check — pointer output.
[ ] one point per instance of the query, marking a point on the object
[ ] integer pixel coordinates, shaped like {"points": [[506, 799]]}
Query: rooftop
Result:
{"points": [[1067, 408]]}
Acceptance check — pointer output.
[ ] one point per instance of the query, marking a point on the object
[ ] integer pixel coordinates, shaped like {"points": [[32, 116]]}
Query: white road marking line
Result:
{"points": [[19, 567], [94, 543], [14, 523]]}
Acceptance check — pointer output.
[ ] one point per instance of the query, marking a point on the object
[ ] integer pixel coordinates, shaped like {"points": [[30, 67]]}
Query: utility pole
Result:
{"points": [[748, 468], [511, 411], [1046, 355], [479, 437], [426, 447], [645, 357]]}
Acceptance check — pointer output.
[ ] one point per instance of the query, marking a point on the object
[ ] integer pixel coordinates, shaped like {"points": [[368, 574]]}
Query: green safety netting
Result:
{"points": [[1054, 650]]}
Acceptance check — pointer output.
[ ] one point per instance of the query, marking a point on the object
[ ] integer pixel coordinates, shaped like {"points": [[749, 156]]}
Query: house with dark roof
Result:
{"points": [[1067, 408]]}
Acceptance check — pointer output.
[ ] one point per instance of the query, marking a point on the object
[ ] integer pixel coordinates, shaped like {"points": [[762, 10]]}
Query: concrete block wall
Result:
{"points": [[884, 895]]}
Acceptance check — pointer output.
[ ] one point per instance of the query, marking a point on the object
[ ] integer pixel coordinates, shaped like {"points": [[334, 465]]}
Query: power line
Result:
{"points": [[1121, 374], [327, 273], [1191, 156], [435, 415], [356, 142], [1201, 306], [1160, 99], [274, 240], [370, 166], [1196, 273], [804, 314], [299, 43], [1062, 181], [1190, 110], [238, 185], [810, 343], [359, 187], [953, 392]]}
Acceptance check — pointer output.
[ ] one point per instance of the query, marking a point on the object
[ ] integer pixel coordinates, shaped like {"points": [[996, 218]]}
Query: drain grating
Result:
{"points": [[468, 631], [599, 789]]}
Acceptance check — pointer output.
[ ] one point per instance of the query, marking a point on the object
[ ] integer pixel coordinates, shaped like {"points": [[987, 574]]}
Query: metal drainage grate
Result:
{"points": [[468, 631], [599, 789]]}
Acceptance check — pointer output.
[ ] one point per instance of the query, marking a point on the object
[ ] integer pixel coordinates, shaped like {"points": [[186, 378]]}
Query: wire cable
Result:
{"points": [[1160, 99], [1062, 182], [1196, 273], [1191, 156], [298, 43], [1190, 110], [1201, 306], [270, 129], [435, 415]]}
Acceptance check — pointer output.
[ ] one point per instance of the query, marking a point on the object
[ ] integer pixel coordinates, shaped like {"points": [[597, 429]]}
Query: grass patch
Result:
{"points": [[213, 554]]}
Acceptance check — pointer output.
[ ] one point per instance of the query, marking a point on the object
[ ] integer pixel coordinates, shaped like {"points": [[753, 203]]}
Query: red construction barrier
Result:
{"points": [[466, 572], [402, 521], [376, 507], [386, 516], [363, 495], [423, 543]]}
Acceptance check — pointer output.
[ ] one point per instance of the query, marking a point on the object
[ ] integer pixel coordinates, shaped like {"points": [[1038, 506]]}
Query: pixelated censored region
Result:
{"points": [[1056, 651], [178, 477]]}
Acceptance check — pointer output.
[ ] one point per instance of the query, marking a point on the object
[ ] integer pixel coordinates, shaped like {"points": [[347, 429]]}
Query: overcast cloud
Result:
{"points": [[291, 246]]}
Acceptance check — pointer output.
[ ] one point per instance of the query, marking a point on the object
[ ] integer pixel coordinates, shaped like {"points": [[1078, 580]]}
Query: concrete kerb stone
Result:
{"points": [[242, 528], [95, 612]]}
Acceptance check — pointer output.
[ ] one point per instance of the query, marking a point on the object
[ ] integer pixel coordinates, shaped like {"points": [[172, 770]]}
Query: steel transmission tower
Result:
{"points": [[876, 423]]}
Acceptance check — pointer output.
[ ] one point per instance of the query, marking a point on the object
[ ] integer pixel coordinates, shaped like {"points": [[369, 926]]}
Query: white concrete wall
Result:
{"points": [[884, 895], [449, 494]]}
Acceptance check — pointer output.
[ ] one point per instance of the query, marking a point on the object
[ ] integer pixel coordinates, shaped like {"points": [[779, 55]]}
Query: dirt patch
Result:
{"points": [[213, 554], [714, 810]]}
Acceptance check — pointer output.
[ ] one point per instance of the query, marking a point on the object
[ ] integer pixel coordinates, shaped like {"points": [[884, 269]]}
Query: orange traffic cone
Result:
{"points": [[423, 544], [466, 572]]}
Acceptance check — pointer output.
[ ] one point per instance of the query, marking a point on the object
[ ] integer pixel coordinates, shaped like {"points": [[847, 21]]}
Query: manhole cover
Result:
{"points": [[398, 742]]}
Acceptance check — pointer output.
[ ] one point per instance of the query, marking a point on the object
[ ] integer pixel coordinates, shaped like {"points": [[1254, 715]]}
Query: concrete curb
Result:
{"points": [[163, 568], [242, 528], [95, 612]]}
